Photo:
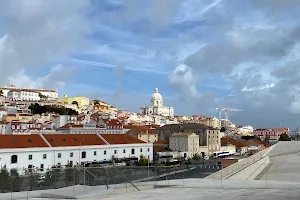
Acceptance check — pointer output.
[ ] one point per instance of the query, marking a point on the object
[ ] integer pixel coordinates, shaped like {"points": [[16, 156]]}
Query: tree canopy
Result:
{"points": [[1, 92], [96, 102], [284, 137], [38, 109], [75, 102], [248, 137]]}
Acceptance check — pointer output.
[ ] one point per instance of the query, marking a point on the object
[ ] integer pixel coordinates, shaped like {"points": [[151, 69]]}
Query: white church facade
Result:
{"points": [[157, 107]]}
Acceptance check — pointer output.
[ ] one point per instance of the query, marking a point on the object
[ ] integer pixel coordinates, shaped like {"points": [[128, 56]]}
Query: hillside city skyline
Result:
{"points": [[199, 59]]}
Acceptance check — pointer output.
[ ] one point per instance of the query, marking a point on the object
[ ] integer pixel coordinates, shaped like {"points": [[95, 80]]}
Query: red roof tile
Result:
{"points": [[161, 142], [112, 122], [59, 140], [235, 142], [141, 129], [21, 141], [121, 139]]}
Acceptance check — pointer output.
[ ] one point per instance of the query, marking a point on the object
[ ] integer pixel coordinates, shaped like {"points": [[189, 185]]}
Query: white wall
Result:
{"points": [[53, 159]]}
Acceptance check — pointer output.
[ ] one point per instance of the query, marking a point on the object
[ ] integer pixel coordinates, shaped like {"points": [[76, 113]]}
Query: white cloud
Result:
{"points": [[56, 78], [261, 87], [38, 33], [99, 65]]}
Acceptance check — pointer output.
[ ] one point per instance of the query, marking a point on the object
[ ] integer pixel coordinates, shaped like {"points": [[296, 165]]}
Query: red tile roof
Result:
{"points": [[161, 142], [140, 129], [254, 142], [21, 141], [235, 142], [60, 140], [112, 122], [121, 139]]}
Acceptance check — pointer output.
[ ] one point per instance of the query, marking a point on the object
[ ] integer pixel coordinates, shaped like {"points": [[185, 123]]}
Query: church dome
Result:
{"points": [[156, 98]]}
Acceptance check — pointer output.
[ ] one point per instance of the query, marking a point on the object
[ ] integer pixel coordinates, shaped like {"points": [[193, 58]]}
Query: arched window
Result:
{"points": [[132, 151], [14, 159], [156, 102]]}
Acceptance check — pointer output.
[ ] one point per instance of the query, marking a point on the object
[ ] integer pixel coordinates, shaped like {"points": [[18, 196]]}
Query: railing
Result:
{"points": [[93, 181], [79, 182]]}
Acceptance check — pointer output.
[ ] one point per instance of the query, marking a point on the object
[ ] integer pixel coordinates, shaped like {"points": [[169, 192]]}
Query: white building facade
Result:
{"points": [[157, 107], [20, 95], [47, 155], [27, 93]]}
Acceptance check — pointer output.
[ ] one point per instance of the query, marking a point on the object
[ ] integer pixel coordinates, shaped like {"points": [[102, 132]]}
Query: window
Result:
{"points": [[95, 153], [42, 167], [83, 154], [14, 159], [148, 149], [141, 150], [29, 140], [124, 151], [115, 151], [59, 165], [59, 155], [71, 154], [44, 156], [30, 157], [104, 152], [132, 151]]}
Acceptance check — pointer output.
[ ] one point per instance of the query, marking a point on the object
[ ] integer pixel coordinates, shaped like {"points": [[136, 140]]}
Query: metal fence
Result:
{"points": [[67, 181], [80, 182]]}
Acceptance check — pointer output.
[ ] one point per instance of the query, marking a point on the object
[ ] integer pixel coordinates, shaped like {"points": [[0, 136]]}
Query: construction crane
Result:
{"points": [[226, 116]]}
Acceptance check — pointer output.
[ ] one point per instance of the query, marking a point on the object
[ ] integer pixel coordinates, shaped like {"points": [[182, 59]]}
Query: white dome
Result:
{"points": [[156, 98]]}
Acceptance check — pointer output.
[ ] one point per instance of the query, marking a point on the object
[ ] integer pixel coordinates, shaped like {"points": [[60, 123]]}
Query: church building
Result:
{"points": [[157, 107]]}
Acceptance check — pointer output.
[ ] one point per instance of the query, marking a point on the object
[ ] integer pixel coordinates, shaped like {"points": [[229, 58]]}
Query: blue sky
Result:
{"points": [[201, 54]]}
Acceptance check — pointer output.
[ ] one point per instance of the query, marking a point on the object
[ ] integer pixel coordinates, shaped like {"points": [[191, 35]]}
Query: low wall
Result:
{"points": [[250, 172], [234, 168]]}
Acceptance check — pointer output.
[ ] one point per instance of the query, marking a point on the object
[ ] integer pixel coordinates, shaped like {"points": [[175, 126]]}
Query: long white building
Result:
{"points": [[46, 150], [26, 94]]}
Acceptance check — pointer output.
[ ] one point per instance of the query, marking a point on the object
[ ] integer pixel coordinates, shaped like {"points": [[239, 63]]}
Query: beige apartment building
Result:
{"points": [[144, 133], [209, 138], [186, 143]]}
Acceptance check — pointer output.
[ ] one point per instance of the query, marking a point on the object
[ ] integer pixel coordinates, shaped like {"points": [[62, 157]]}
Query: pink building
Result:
{"points": [[273, 133]]}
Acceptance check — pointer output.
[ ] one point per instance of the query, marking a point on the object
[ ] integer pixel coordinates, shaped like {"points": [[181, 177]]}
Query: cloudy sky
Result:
{"points": [[201, 54]]}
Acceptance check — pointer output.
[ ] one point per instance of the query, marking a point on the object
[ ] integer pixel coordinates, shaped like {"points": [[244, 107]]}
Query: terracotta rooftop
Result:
{"points": [[21, 141], [112, 122], [141, 129], [121, 139], [161, 142], [235, 142], [60, 140], [254, 142]]}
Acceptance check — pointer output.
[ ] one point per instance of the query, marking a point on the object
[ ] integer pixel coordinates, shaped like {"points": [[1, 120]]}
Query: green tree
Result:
{"points": [[75, 102], [51, 176], [41, 95], [196, 157], [38, 109], [223, 129], [284, 137], [96, 102], [33, 176], [143, 161], [71, 173], [4, 179], [16, 180], [1, 92], [267, 140]]}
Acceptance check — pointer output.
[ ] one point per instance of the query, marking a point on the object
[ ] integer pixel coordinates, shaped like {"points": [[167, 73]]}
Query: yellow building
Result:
{"points": [[82, 101], [24, 117]]}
